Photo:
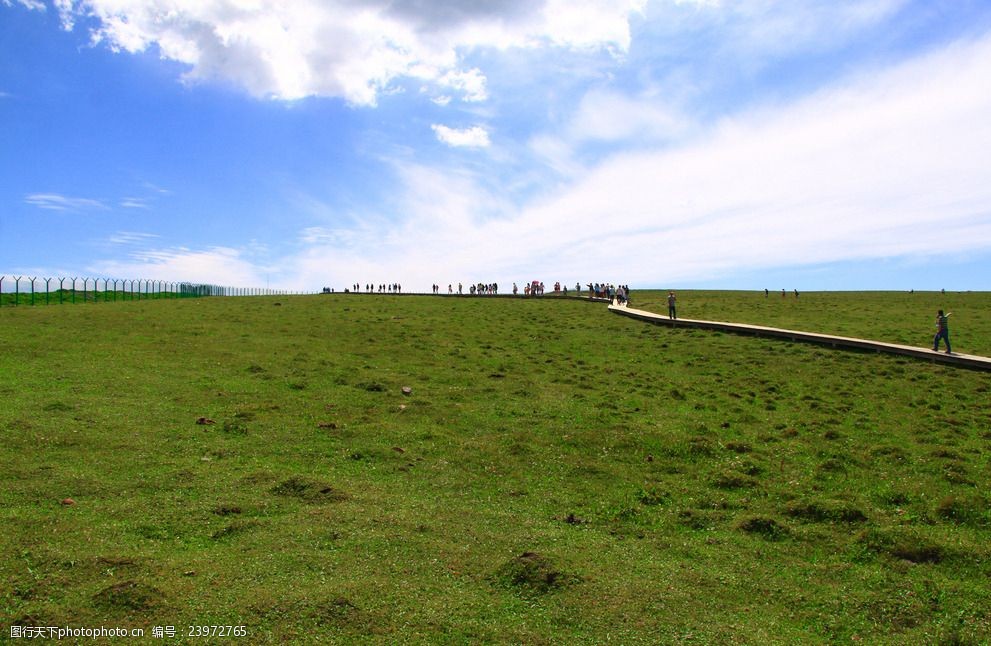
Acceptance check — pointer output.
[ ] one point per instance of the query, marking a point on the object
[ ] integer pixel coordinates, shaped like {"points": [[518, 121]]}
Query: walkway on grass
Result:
{"points": [[966, 360]]}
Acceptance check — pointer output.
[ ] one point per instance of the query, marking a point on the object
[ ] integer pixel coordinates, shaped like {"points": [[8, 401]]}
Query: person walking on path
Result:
{"points": [[942, 331], [672, 313]]}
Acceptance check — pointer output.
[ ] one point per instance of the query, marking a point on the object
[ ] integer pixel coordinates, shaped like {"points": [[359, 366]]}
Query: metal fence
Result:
{"points": [[33, 290]]}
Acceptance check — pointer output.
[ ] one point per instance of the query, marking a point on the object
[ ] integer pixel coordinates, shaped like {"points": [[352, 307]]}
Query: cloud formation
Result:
{"points": [[473, 137], [879, 165], [341, 48], [217, 265], [56, 202]]}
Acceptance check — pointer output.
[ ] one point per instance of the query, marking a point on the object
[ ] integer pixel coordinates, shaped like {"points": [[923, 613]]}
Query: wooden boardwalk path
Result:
{"points": [[965, 360]]}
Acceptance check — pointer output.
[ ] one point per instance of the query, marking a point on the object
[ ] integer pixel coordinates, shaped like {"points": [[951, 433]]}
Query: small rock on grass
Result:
{"points": [[67, 502], [407, 390]]}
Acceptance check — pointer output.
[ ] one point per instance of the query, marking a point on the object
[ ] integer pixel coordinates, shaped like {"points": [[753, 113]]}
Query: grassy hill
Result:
{"points": [[556, 473]]}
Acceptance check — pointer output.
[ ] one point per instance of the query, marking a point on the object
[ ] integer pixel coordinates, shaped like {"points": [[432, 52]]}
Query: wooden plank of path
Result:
{"points": [[966, 360]]}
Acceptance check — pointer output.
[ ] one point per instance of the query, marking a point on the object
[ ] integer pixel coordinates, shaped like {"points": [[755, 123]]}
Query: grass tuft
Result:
{"points": [[534, 573], [308, 490]]}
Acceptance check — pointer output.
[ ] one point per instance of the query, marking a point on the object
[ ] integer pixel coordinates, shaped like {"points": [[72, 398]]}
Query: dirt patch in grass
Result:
{"points": [[902, 544], [534, 573], [58, 407], [343, 614], [650, 496], [764, 527], [131, 596], [235, 528], [739, 447], [234, 427], [701, 447], [734, 480], [308, 490], [114, 562], [819, 511], [697, 519], [965, 510], [957, 474]]}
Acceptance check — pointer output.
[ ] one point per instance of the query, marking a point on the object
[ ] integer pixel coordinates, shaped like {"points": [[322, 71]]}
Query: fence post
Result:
{"points": [[17, 290], [47, 290], [61, 291], [32, 278], [1, 291]]}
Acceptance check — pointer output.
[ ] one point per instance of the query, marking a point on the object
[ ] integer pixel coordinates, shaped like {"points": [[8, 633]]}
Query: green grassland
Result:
{"points": [[557, 474], [893, 317]]}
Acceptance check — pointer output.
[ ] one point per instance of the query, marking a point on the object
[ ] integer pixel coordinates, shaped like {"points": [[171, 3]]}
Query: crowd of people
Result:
{"points": [[369, 288], [603, 290], [619, 294]]}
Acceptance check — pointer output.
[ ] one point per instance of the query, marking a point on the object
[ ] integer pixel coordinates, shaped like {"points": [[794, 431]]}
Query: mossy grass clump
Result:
{"points": [[763, 526], [904, 544], [129, 595], [237, 527], [819, 511], [973, 510], [730, 479], [532, 572], [308, 490]]}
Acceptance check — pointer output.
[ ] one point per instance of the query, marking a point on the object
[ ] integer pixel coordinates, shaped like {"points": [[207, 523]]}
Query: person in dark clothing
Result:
{"points": [[672, 312], [942, 331]]}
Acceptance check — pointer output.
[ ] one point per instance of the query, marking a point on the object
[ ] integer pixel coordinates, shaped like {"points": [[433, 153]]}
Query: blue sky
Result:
{"points": [[817, 144]]}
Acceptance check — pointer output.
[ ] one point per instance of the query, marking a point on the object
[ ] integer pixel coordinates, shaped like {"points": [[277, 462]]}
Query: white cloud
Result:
{"points": [[134, 203], [611, 116], [35, 5], [471, 83], [343, 48], [474, 137], [884, 165], [770, 28], [131, 238], [56, 202], [216, 265]]}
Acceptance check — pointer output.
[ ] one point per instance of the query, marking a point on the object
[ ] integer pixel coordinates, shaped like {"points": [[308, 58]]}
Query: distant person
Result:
{"points": [[766, 292], [783, 295], [796, 293], [672, 312], [942, 331]]}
